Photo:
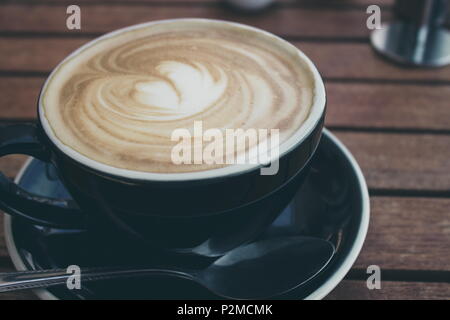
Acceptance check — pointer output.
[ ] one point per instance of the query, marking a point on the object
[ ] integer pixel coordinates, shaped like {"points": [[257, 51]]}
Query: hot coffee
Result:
{"points": [[119, 100]]}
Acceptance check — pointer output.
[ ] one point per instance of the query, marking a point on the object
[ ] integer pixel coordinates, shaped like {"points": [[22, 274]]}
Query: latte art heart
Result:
{"points": [[181, 90], [121, 98]]}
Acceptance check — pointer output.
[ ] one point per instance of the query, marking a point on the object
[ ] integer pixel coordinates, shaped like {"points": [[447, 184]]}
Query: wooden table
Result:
{"points": [[395, 120]]}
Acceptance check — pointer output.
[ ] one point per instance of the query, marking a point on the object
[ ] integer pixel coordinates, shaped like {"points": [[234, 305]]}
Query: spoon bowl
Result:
{"points": [[267, 268]]}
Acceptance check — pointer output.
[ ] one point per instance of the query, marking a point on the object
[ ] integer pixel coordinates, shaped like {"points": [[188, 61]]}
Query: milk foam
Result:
{"points": [[120, 99]]}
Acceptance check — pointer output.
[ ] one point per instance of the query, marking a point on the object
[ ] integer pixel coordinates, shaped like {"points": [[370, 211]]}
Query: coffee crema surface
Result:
{"points": [[118, 100]]}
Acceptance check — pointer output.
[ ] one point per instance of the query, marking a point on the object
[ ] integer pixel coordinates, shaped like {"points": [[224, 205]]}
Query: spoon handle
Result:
{"points": [[22, 280]]}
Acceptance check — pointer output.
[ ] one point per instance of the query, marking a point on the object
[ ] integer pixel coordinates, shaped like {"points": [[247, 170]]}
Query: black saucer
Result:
{"points": [[333, 204]]}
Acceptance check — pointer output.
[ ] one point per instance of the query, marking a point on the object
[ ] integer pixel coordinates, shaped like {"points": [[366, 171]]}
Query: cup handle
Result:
{"points": [[56, 213]]}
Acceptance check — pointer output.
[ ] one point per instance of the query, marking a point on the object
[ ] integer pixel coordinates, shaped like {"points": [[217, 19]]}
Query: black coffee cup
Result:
{"points": [[207, 212]]}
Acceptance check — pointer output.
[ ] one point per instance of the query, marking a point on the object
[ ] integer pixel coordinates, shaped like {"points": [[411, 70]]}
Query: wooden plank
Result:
{"points": [[358, 61], [30, 54], [389, 161], [354, 61], [388, 106], [19, 97], [357, 290], [291, 21], [402, 161], [393, 241], [355, 105], [407, 234]]}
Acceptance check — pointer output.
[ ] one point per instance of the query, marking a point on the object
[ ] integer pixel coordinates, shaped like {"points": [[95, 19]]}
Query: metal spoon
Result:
{"points": [[258, 270]]}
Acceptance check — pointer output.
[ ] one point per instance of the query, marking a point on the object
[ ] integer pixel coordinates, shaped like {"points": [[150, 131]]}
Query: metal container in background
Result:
{"points": [[413, 10], [417, 37]]}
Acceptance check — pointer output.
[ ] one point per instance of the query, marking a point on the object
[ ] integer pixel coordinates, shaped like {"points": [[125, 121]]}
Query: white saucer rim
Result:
{"points": [[321, 292], [330, 284]]}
